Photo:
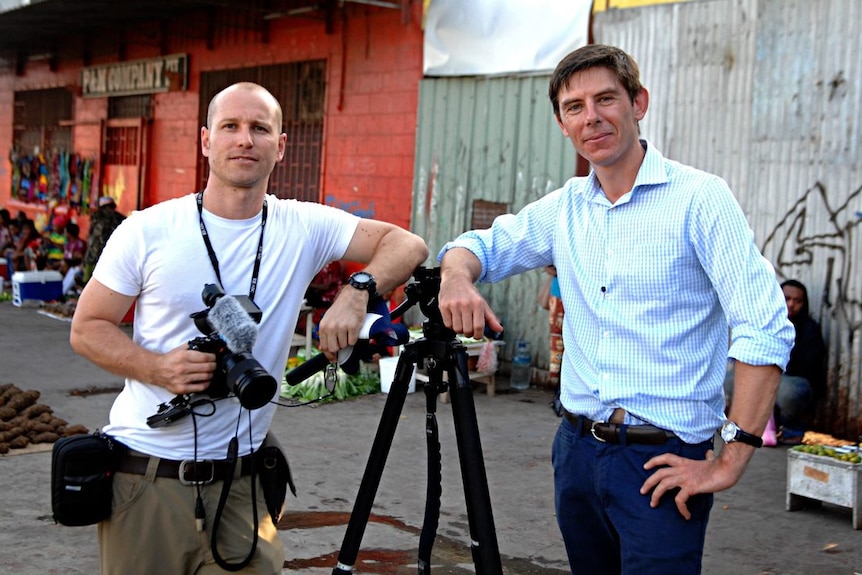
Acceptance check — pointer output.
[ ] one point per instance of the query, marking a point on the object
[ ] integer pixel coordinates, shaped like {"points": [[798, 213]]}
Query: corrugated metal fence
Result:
{"points": [[491, 140], [768, 94]]}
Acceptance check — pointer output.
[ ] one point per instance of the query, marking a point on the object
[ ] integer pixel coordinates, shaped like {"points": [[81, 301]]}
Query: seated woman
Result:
{"points": [[803, 384]]}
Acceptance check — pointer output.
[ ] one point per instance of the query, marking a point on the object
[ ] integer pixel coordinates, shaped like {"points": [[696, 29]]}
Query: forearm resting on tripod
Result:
{"points": [[462, 307]]}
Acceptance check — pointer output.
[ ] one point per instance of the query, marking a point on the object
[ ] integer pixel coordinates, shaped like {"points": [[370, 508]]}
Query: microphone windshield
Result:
{"points": [[233, 324]]}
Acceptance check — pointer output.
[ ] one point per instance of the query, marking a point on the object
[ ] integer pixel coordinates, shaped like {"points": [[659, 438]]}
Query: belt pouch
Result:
{"points": [[275, 476], [82, 474]]}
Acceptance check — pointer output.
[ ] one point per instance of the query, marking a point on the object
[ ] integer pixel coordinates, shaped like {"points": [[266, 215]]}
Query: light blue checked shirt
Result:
{"points": [[650, 286]]}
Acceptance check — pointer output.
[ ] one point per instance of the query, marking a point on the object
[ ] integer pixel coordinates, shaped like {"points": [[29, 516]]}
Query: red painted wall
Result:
{"points": [[374, 65], [371, 128]]}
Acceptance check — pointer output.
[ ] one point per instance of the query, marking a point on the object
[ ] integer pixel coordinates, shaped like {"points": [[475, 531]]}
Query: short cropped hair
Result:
{"points": [[251, 87]]}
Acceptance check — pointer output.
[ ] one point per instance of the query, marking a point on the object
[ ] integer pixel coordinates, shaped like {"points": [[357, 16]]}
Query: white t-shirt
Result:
{"points": [[158, 255]]}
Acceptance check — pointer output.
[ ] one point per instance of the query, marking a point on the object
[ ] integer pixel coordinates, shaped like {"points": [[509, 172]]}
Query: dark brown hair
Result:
{"points": [[621, 64]]}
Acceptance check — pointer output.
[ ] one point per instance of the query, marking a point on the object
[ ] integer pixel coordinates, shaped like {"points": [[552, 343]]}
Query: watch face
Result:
{"points": [[728, 431], [363, 281]]}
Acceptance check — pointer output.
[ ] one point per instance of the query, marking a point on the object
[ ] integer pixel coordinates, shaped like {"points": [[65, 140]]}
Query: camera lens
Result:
{"points": [[248, 380]]}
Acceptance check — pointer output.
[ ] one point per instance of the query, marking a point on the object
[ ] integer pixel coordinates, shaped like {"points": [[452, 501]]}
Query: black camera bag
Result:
{"points": [[275, 476], [82, 475]]}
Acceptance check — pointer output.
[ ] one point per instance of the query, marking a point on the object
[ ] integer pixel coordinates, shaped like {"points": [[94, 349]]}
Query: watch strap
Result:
{"points": [[748, 438], [740, 435]]}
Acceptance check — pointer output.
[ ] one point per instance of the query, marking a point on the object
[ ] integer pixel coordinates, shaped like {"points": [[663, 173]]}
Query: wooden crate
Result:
{"points": [[824, 479]]}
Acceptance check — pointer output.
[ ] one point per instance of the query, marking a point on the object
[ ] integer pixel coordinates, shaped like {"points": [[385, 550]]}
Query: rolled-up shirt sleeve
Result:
{"points": [[747, 287], [515, 243]]}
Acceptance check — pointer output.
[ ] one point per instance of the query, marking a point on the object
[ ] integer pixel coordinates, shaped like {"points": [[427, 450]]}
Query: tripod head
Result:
{"points": [[425, 291]]}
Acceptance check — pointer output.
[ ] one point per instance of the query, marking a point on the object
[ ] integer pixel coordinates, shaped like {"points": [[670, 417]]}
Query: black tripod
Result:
{"points": [[440, 352]]}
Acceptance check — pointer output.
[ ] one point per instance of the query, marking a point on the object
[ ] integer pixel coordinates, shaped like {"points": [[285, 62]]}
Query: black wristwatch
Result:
{"points": [[731, 432], [363, 281]]}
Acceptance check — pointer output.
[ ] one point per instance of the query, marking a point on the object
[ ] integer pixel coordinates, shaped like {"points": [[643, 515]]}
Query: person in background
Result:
{"points": [[803, 384], [234, 235], [655, 261], [549, 299], [323, 290], [103, 222], [75, 247], [29, 253], [9, 251], [5, 235], [54, 241], [6, 242], [21, 217], [73, 255]]}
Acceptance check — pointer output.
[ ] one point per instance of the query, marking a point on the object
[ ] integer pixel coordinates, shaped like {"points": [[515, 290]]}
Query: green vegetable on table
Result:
{"points": [[363, 383]]}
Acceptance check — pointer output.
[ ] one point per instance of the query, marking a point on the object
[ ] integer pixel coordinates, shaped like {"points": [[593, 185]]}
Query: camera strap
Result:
{"points": [[233, 446], [256, 270], [228, 480]]}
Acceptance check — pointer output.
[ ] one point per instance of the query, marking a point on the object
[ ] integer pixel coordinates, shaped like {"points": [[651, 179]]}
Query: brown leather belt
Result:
{"points": [[607, 432], [187, 471]]}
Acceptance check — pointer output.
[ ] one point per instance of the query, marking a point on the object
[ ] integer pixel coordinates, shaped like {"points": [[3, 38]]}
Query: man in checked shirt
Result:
{"points": [[655, 262]]}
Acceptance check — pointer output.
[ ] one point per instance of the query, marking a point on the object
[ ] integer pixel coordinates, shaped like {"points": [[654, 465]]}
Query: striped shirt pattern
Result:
{"points": [[650, 286]]}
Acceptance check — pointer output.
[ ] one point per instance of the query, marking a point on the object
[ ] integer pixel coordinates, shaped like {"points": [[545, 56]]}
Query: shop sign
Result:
{"points": [[147, 76]]}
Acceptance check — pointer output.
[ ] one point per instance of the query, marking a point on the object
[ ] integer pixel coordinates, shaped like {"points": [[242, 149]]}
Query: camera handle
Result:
{"points": [[439, 350]]}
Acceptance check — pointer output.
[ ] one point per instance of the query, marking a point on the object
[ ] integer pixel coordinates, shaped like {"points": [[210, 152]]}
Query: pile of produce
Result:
{"points": [[24, 421], [314, 388], [825, 445], [60, 310]]}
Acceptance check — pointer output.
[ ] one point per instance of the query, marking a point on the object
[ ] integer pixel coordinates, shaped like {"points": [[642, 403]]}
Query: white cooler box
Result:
{"points": [[45, 286]]}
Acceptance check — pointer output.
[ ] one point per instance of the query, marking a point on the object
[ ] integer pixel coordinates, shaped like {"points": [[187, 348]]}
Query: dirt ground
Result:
{"points": [[750, 532]]}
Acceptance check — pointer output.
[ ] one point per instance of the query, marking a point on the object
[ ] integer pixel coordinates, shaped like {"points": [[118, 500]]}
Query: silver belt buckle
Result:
{"points": [[191, 467], [593, 431]]}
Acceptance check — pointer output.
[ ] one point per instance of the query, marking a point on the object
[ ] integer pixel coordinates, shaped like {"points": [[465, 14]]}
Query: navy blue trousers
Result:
{"points": [[608, 527]]}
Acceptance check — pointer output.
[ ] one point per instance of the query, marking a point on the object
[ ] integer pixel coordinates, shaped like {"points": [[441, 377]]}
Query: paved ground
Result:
{"points": [[750, 532]]}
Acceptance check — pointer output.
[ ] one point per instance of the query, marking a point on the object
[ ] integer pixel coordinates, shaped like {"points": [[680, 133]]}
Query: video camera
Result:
{"points": [[229, 325]]}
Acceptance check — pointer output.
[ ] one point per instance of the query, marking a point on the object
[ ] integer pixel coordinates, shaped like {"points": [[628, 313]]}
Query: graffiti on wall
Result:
{"points": [[353, 207], [814, 239]]}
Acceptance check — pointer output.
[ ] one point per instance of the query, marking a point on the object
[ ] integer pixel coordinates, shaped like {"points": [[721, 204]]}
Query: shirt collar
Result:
{"points": [[651, 172], [652, 169]]}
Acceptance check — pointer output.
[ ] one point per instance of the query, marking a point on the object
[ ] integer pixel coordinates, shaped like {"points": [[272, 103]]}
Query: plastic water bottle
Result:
{"points": [[522, 373]]}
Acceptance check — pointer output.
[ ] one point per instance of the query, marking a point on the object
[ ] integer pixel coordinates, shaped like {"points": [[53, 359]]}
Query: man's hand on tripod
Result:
{"points": [[462, 307], [340, 325]]}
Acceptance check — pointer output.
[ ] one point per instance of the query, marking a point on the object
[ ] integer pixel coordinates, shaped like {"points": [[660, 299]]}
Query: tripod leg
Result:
{"points": [[486, 552], [376, 462], [434, 487]]}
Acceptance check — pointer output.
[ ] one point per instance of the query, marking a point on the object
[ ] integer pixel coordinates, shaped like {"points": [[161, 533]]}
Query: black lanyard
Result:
{"points": [[211, 252]]}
